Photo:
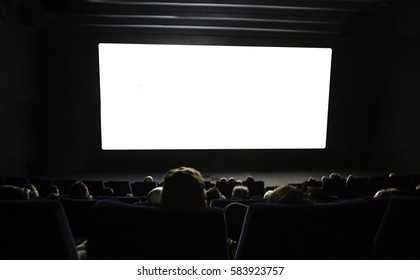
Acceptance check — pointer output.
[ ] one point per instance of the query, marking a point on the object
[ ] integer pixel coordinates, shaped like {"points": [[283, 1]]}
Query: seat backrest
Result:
{"points": [[377, 183], [35, 230], [221, 203], [43, 185], [356, 187], [415, 181], [226, 188], [17, 181], [121, 188], [256, 188], [401, 182], [64, 185], [96, 187], [398, 236], [337, 230], [142, 188], [123, 231], [334, 187], [77, 212], [235, 215], [308, 184]]}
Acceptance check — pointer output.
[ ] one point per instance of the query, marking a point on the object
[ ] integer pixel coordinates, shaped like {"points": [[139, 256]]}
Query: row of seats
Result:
{"points": [[96, 187], [349, 229], [352, 187], [121, 187], [364, 186], [256, 188]]}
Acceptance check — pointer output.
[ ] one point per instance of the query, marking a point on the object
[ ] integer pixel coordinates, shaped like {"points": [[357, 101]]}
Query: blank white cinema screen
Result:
{"points": [[163, 97]]}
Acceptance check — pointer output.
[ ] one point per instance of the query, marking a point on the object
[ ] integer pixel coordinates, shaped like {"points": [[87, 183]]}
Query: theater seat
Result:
{"points": [[77, 211], [334, 187], [377, 183], [226, 188], [221, 203], [356, 187], [142, 188], [35, 230], [338, 230], [121, 188], [96, 187], [399, 233], [122, 231], [256, 188]]}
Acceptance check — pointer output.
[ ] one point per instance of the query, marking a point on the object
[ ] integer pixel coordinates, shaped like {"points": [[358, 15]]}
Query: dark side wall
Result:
{"points": [[18, 91], [396, 141], [50, 99]]}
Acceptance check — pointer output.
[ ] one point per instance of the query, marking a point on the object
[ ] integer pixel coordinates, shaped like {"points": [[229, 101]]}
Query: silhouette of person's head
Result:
{"points": [[249, 179], [148, 179], [31, 189], [267, 194], [108, 191], [79, 190], [287, 195], [213, 193], [241, 192], [335, 175], [53, 192], [155, 196], [183, 187], [385, 193], [317, 195]]}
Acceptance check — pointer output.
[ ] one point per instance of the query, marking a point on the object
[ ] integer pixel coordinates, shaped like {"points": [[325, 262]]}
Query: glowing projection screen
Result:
{"points": [[164, 97]]}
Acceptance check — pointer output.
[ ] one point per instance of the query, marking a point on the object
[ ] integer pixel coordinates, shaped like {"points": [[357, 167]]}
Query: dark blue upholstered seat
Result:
{"points": [[122, 231], [338, 230], [35, 230], [399, 233]]}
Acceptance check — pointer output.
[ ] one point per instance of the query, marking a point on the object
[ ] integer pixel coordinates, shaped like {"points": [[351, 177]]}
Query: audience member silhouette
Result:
{"points": [[183, 187], [240, 192], [79, 190], [52, 192], [223, 179], [154, 197], [385, 193], [267, 194], [317, 195], [333, 175], [31, 189], [288, 195], [148, 179], [108, 191], [213, 193], [249, 179]]}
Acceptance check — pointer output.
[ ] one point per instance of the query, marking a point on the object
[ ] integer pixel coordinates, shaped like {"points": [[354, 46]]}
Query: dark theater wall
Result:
{"points": [[396, 144], [18, 94]]}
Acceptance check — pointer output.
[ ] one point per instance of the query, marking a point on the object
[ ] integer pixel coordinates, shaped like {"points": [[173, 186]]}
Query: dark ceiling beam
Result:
{"points": [[246, 17]]}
